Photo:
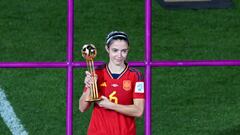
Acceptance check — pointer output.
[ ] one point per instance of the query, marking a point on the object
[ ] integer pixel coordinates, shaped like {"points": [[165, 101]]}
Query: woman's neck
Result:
{"points": [[116, 69]]}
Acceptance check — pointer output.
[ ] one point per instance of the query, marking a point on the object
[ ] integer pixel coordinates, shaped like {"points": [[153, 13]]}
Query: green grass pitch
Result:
{"points": [[185, 100]]}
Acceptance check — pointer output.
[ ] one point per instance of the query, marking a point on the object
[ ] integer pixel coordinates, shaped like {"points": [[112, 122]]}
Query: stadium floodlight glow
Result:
{"points": [[69, 65]]}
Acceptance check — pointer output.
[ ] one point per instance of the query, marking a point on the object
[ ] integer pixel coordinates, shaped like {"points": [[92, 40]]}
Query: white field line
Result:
{"points": [[9, 116]]}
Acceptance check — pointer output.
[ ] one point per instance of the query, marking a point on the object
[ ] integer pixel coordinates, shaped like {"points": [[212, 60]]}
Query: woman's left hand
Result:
{"points": [[105, 102]]}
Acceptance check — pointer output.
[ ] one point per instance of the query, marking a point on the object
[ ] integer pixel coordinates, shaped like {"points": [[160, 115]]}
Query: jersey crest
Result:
{"points": [[127, 85]]}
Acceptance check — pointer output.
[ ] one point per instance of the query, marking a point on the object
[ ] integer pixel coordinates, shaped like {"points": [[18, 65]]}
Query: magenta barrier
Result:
{"points": [[99, 63], [148, 72], [69, 80], [33, 64], [195, 63], [131, 63], [84, 64], [69, 100]]}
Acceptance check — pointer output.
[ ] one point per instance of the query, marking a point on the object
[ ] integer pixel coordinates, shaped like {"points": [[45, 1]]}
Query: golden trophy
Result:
{"points": [[89, 52]]}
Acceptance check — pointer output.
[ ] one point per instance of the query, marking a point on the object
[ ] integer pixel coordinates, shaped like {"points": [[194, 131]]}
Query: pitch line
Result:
{"points": [[9, 116]]}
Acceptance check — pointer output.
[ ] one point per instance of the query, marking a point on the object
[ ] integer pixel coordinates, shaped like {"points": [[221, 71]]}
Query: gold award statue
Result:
{"points": [[89, 52]]}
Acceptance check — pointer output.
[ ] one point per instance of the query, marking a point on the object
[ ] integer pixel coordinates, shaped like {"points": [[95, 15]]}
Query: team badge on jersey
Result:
{"points": [[139, 87], [126, 85]]}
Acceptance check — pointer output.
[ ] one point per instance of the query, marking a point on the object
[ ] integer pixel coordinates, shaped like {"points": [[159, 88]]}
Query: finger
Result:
{"points": [[88, 73], [87, 82], [103, 97], [88, 85], [99, 103], [88, 79], [95, 77]]}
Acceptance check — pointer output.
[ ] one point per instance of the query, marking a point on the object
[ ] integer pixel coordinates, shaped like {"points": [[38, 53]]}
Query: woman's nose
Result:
{"points": [[119, 54]]}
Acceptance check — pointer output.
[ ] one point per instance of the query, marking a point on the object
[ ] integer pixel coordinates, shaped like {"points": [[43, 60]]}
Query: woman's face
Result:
{"points": [[118, 52]]}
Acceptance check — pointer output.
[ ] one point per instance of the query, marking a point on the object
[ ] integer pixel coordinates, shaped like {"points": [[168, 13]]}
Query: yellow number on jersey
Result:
{"points": [[112, 97]]}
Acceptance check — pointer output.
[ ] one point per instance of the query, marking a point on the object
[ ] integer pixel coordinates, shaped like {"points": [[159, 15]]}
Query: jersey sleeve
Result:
{"points": [[138, 89]]}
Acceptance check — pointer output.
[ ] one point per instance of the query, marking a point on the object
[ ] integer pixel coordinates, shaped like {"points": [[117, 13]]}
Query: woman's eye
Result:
{"points": [[115, 50], [125, 51]]}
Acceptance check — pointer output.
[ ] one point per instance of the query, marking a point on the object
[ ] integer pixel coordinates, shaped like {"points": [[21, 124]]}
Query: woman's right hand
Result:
{"points": [[89, 80], [83, 105]]}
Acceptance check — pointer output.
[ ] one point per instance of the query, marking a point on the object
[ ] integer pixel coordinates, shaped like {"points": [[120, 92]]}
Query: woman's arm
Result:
{"points": [[135, 110], [83, 105]]}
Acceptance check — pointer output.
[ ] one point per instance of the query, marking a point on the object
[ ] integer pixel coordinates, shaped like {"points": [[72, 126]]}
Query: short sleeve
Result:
{"points": [[138, 89]]}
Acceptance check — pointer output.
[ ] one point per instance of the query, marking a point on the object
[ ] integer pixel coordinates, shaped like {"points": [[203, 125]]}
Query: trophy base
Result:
{"points": [[93, 100]]}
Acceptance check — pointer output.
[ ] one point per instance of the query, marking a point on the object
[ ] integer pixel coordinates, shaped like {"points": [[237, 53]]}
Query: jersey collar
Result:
{"points": [[121, 74]]}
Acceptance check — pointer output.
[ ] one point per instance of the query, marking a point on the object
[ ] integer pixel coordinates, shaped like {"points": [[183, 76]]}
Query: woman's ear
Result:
{"points": [[107, 49]]}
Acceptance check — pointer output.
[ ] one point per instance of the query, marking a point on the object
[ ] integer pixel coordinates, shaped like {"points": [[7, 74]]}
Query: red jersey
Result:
{"points": [[123, 90]]}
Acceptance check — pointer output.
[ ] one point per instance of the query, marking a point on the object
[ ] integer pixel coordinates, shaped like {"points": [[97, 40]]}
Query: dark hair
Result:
{"points": [[115, 35]]}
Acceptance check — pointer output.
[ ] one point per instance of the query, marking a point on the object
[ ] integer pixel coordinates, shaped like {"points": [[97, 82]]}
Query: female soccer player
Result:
{"points": [[121, 89]]}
